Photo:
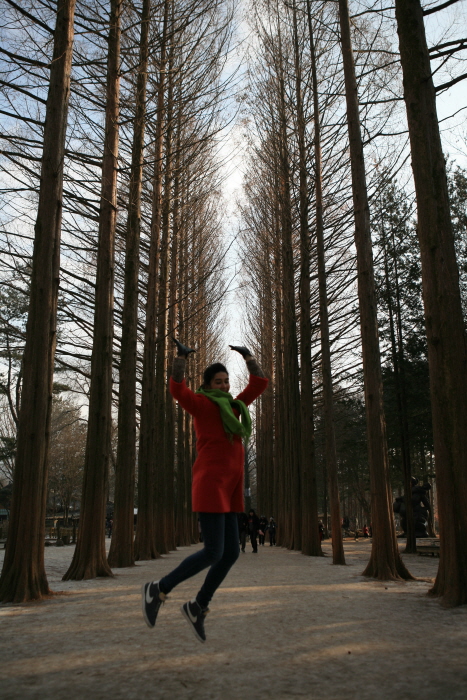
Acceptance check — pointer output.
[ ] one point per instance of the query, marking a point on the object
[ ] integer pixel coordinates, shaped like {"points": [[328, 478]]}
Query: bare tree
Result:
{"points": [[385, 561], [447, 346], [23, 576], [338, 556], [90, 559], [122, 545]]}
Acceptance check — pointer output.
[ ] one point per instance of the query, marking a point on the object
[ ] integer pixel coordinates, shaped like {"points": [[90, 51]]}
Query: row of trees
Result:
{"points": [[310, 104], [140, 257]]}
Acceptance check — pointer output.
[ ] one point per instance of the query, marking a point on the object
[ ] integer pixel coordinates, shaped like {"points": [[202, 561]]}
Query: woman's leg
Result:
{"points": [[212, 528], [220, 569]]}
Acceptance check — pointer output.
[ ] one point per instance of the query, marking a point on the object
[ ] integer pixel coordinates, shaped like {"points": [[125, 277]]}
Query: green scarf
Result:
{"points": [[225, 401]]}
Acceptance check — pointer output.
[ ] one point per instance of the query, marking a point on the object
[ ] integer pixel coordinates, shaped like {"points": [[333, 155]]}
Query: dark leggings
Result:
{"points": [[220, 552]]}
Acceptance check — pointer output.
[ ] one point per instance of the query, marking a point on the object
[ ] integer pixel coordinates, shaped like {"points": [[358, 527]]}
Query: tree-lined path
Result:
{"points": [[340, 261], [282, 625]]}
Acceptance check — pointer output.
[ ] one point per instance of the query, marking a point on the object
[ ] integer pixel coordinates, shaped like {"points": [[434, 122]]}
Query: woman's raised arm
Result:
{"points": [[251, 362]]}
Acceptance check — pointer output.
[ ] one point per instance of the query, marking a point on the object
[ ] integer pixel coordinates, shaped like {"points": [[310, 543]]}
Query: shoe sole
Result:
{"points": [[143, 601], [185, 615]]}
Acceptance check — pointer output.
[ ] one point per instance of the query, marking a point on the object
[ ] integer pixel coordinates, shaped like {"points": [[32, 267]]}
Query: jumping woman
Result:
{"points": [[221, 423]]}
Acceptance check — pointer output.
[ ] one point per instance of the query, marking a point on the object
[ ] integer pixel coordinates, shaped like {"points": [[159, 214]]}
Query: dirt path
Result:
{"points": [[282, 626]]}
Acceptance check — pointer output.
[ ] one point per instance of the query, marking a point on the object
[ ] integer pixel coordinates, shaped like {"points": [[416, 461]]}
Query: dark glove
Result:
{"points": [[182, 350], [244, 352]]}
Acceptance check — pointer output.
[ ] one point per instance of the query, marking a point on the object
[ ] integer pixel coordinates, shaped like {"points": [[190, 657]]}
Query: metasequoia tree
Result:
{"points": [[447, 347], [23, 575], [338, 556], [310, 543], [163, 489], [121, 547], [90, 558], [145, 545], [290, 388], [385, 561]]}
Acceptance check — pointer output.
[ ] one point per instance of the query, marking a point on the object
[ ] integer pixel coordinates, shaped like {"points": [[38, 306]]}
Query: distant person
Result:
{"points": [[321, 531], [272, 532], [366, 532], [242, 529], [253, 527], [221, 424], [263, 526]]}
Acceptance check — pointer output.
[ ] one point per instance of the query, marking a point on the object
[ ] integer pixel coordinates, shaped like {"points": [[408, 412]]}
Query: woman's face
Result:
{"points": [[220, 381]]}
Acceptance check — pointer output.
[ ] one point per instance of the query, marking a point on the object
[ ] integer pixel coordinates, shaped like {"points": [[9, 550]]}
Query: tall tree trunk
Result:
{"points": [[291, 392], [163, 516], [121, 552], [279, 510], [184, 516], [385, 561], [145, 546], [330, 453], [173, 510], [264, 416], [447, 346], [23, 575], [90, 559], [310, 542]]}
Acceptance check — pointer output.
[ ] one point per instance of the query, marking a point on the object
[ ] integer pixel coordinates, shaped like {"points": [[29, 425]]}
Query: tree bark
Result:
{"points": [[330, 453], [447, 346], [163, 516], [279, 506], [145, 545], [385, 561], [291, 392], [310, 540], [23, 576], [90, 558], [121, 552]]}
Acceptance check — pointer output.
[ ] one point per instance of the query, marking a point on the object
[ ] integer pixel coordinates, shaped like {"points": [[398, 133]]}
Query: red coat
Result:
{"points": [[217, 485]]}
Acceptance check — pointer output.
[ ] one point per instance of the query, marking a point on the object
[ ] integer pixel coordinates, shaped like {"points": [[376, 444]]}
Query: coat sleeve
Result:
{"points": [[254, 388], [185, 396]]}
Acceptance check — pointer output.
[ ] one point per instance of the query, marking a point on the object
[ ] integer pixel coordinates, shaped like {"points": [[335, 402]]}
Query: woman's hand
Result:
{"points": [[182, 350], [244, 352], [251, 363]]}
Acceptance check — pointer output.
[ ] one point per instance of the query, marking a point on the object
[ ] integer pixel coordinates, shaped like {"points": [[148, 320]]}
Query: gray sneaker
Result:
{"points": [[195, 617], [152, 599]]}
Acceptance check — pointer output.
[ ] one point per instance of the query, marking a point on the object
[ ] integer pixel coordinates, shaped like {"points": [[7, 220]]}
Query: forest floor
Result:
{"points": [[282, 626]]}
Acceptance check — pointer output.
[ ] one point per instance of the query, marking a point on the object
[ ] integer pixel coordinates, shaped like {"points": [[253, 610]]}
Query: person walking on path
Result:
{"points": [[242, 529], [253, 527], [221, 423], [263, 526], [272, 532]]}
